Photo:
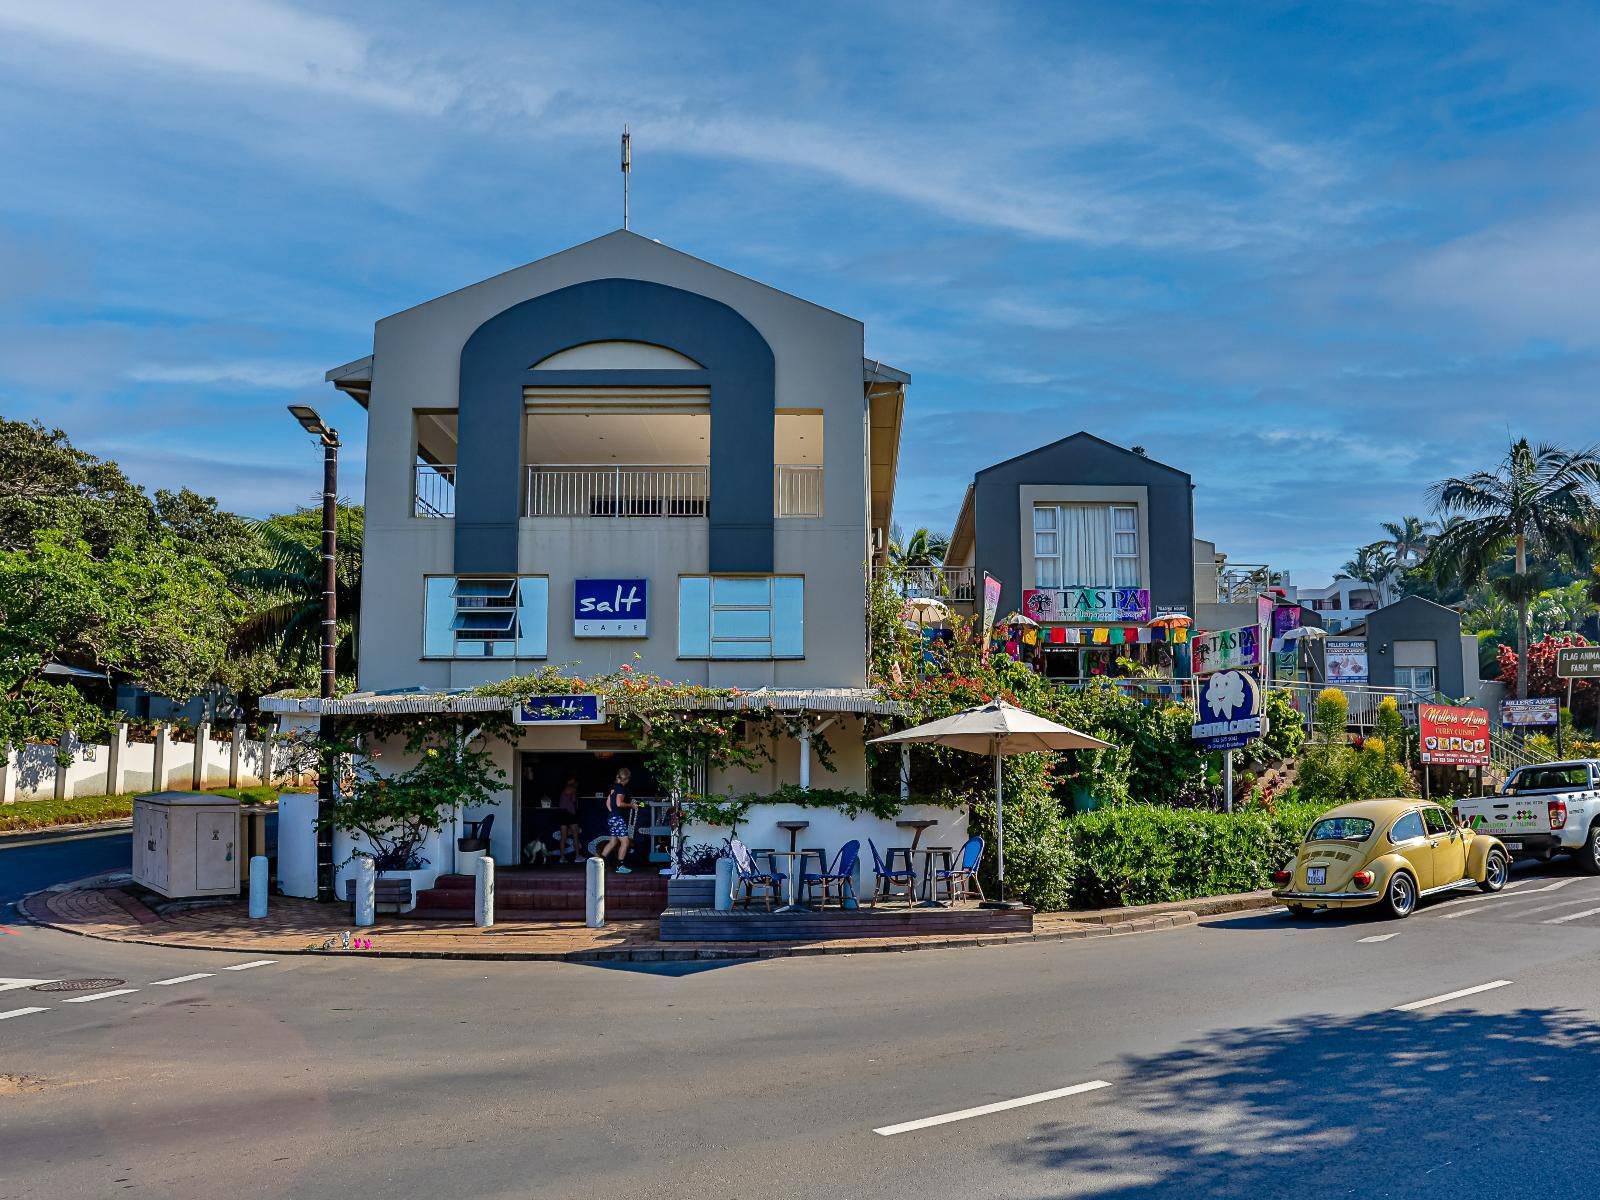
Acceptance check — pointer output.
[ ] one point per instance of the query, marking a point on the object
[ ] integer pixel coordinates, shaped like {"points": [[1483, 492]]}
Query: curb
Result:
{"points": [[1149, 923]]}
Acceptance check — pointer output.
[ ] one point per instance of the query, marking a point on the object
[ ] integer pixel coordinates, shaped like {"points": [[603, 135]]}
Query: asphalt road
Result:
{"points": [[1250, 1056], [31, 861]]}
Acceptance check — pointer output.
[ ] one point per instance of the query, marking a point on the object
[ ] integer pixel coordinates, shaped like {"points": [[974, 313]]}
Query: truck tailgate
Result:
{"points": [[1505, 815]]}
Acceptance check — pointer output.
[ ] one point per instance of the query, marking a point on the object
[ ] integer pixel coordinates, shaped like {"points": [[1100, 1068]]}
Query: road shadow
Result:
{"points": [[1390, 1104], [669, 970], [1276, 918]]}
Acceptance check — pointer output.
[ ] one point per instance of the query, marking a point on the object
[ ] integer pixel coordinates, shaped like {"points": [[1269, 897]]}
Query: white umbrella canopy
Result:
{"points": [[926, 609], [997, 728], [1016, 620]]}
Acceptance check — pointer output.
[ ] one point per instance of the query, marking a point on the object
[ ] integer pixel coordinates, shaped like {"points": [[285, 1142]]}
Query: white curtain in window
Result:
{"points": [[1086, 559]]}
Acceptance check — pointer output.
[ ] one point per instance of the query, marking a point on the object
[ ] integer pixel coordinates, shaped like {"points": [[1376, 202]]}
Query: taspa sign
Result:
{"points": [[1112, 604], [1230, 711], [1226, 650], [610, 608]]}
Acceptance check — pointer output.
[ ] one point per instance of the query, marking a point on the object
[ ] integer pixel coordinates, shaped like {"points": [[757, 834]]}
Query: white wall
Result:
{"points": [[120, 766]]}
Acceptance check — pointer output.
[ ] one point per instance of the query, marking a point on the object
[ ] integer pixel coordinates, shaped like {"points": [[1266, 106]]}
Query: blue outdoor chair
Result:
{"points": [[841, 878], [961, 880], [746, 873], [886, 880]]}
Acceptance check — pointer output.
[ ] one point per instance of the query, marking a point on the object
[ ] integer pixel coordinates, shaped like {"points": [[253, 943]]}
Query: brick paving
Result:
{"points": [[306, 927]]}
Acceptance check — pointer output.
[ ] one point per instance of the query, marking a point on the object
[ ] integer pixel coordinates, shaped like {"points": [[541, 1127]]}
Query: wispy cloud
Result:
{"points": [[262, 374]]}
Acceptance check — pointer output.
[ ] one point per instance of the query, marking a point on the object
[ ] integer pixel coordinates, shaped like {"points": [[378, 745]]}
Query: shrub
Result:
{"points": [[1145, 854], [1039, 861]]}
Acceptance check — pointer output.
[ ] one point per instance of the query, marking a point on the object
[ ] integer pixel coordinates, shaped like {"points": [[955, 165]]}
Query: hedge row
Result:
{"points": [[1130, 854]]}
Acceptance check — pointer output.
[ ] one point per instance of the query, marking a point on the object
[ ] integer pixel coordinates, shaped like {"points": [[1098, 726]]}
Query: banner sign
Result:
{"points": [[560, 710], [1347, 661], [991, 610], [1454, 736], [1112, 604], [1230, 711], [1226, 650], [609, 608], [1543, 711], [1578, 662]]}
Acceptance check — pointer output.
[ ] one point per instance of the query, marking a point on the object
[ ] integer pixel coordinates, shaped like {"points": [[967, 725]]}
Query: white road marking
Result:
{"points": [[1379, 937], [260, 962], [99, 996], [20, 1012], [1517, 912], [1528, 912], [984, 1110], [1457, 902], [183, 979], [1577, 916], [1471, 991], [9, 983]]}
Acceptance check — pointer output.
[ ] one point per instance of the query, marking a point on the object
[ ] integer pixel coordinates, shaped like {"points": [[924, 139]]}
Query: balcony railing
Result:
{"points": [[435, 490], [631, 491], [796, 491], [944, 583]]}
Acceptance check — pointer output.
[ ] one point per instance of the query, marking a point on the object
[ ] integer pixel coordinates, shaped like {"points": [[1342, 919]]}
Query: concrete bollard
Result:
{"points": [[258, 887], [483, 893], [594, 893], [366, 893], [723, 896]]}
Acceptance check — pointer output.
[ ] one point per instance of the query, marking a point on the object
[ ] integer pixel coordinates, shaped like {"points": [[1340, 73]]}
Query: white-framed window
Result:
{"points": [[1421, 681], [1086, 545], [476, 616], [741, 616]]}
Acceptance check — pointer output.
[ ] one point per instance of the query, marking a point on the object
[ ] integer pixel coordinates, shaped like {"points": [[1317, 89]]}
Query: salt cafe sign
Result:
{"points": [[1109, 604]]}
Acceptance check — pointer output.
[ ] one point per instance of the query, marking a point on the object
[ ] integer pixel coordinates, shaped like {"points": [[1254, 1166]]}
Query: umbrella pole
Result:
{"points": [[1000, 824]]}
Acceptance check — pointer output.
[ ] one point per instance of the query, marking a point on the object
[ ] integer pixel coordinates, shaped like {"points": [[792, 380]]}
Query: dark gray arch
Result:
{"points": [[495, 366]]}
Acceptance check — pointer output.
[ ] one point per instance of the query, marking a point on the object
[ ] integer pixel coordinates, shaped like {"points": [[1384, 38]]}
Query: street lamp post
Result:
{"points": [[329, 437]]}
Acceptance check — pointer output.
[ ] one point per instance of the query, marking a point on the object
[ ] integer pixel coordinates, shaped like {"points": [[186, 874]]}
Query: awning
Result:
{"points": [[860, 701]]}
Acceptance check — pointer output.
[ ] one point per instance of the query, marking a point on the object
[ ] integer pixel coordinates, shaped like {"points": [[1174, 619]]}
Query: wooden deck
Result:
{"points": [[758, 925]]}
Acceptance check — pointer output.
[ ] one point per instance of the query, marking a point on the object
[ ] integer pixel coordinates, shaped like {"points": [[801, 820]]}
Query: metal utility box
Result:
{"points": [[186, 844]]}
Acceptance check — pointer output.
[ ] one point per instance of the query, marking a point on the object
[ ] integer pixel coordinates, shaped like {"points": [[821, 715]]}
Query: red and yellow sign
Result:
{"points": [[1454, 736]]}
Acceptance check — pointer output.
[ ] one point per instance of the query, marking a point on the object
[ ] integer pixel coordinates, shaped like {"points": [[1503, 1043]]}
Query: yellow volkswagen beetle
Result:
{"points": [[1390, 853]]}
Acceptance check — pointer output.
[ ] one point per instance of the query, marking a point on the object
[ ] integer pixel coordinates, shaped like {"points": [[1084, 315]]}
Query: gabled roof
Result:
{"points": [[1083, 435]]}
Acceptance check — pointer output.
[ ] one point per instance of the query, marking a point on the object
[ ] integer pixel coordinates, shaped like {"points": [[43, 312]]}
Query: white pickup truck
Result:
{"points": [[1543, 810]]}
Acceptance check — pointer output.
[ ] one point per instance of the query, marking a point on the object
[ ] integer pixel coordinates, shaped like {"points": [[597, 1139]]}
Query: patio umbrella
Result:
{"points": [[1017, 619], [1172, 621], [998, 729], [1303, 631], [926, 609]]}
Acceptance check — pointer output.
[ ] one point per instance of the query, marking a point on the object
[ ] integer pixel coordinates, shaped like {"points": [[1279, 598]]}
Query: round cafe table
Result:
{"points": [[916, 827]]}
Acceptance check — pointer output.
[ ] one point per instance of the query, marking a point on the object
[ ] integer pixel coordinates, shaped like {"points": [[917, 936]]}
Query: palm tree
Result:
{"points": [[1540, 500], [287, 613], [1560, 610], [1409, 538], [1374, 566], [921, 549]]}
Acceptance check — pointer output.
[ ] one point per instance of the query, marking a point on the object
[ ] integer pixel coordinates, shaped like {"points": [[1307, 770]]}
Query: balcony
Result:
{"points": [[584, 490], [944, 583], [612, 491], [796, 490], [434, 490]]}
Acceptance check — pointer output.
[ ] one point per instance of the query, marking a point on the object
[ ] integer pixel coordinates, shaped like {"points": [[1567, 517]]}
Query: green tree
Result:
{"points": [[46, 483], [152, 614], [286, 593], [1537, 502], [1408, 540], [921, 549], [1374, 566]]}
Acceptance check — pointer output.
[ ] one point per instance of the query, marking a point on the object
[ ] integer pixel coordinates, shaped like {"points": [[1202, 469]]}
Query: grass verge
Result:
{"points": [[27, 815]]}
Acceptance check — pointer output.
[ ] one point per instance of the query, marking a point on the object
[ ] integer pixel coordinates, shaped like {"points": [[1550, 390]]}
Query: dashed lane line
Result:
{"points": [[1378, 937], [1528, 912], [11, 983], [99, 996], [984, 1110], [1471, 991], [20, 1012], [260, 962], [1577, 916], [183, 979]]}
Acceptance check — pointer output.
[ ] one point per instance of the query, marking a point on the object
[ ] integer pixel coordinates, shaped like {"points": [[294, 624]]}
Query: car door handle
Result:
{"points": [[1435, 845]]}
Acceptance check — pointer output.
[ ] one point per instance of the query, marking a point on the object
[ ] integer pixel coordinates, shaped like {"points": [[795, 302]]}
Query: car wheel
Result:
{"points": [[1495, 872], [1300, 912], [1589, 856], [1401, 897]]}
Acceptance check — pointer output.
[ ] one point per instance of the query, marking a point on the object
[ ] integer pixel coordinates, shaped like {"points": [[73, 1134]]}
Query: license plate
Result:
{"points": [[1513, 845], [1316, 876]]}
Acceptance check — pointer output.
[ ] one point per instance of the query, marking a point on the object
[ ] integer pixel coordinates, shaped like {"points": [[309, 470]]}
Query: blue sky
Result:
{"points": [[1317, 255]]}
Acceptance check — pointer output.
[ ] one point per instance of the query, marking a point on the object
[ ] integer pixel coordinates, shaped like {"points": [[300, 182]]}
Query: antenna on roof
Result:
{"points": [[627, 168]]}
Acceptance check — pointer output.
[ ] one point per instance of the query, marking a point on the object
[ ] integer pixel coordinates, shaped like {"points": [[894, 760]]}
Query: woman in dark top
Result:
{"points": [[618, 837], [571, 830]]}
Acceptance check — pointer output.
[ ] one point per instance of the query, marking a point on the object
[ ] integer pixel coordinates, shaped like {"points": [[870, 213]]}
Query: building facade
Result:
{"points": [[1088, 539], [624, 455]]}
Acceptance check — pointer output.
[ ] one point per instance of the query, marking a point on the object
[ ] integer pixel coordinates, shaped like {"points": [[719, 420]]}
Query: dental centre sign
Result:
{"points": [[610, 608]]}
